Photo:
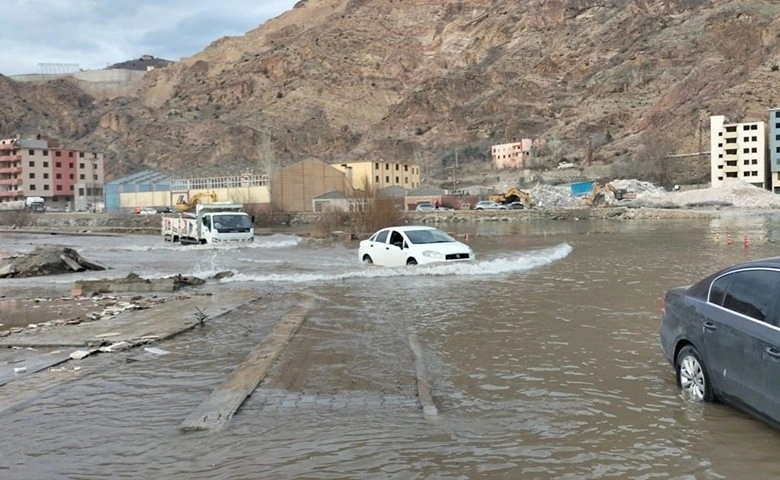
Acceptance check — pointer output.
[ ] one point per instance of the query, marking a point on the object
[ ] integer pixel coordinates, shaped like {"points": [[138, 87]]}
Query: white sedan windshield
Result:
{"points": [[419, 237]]}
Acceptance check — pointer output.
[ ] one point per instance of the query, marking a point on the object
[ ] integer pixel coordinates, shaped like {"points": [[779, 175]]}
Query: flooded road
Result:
{"points": [[542, 357]]}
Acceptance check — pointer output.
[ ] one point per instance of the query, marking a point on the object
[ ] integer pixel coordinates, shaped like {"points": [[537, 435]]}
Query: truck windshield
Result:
{"points": [[232, 222]]}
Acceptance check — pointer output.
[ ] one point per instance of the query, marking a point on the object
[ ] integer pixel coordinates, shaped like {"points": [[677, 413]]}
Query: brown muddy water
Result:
{"points": [[542, 357]]}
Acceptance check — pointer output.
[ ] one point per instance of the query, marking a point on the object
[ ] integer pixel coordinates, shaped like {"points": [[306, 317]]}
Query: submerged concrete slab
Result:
{"points": [[226, 399], [17, 363], [160, 322]]}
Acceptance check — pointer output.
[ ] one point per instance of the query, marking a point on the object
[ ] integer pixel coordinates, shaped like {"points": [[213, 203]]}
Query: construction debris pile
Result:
{"points": [[735, 193], [49, 260], [638, 193]]}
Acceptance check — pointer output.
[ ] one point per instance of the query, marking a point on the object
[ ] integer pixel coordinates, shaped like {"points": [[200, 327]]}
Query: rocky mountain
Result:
{"points": [[620, 82]]}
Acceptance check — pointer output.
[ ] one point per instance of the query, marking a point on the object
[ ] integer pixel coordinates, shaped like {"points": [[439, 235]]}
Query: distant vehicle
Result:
{"points": [[425, 207], [146, 211], [513, 195], [516, 206], [722, 336], [210, 223], [35, 204], [489, 205], [165, 210], [412, 245]]}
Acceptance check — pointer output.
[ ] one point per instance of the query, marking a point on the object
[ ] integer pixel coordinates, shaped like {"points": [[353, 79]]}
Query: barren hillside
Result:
{"points": [[605, 81]]}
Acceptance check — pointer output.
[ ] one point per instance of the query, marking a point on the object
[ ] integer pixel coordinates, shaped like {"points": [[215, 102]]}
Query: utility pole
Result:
{"points": [[455, 173]]}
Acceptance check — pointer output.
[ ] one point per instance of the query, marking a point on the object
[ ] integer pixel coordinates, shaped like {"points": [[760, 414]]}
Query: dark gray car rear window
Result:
{"points": [[749, 292]]}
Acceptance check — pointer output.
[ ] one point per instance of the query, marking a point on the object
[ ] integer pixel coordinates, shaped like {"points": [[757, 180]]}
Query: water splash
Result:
{"points": [[510, 264]]}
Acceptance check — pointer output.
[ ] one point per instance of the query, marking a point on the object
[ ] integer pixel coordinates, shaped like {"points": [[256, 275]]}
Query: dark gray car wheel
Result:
{"points": [[411, 261], [692, 376], [367, 259]]}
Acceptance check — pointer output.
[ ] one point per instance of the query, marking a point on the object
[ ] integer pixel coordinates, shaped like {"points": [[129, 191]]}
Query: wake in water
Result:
{"points": [[512, 263]]}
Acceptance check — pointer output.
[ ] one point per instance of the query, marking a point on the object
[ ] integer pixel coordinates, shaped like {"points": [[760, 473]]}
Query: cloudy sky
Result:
{"points": [[98, 33]]}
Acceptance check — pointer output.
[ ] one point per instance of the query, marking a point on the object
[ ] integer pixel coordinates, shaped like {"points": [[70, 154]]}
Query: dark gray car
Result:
{"points": [[722, 336]]}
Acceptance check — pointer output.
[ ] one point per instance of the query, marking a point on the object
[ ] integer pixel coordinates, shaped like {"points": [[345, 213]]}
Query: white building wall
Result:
{"points": [[737, 151]]}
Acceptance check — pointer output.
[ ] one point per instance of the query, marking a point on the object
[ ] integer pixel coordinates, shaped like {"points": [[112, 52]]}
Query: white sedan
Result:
{"points": [[412, 245]]}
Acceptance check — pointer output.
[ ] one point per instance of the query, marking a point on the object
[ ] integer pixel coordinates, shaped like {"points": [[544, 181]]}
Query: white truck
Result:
{"points": [[217, 223], [31, 204]]}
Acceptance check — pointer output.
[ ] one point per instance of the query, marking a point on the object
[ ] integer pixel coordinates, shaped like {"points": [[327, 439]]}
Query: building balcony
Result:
{"points": [[11, 194], [10, 181], [7, 169]]}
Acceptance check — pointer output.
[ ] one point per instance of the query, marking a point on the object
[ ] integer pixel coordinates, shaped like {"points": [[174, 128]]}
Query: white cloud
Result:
{"points": [[98, 33]]}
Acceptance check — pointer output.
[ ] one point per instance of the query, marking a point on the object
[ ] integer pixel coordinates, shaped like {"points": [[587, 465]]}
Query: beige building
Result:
{"points": [[295, 187], [378, 174], [738, 150]]}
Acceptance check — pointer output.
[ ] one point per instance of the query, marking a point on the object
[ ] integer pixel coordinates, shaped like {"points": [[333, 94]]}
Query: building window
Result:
{"points": [[45, 164], [81, 166], [45, 175], [406, 168], [71, 176], [397, 167], [30, 152], [81, 176], [70, 165], [397, 180], [387, 179], [45, 153], [32, 163], [59, 187], [406, 180], [59, 176], [57, 164], [32, 187], [377, 179], [387, 166], [57, 153], [81, 155], [71, 188], [81, 192], [746, 162], [46, 187], [70, 154]]}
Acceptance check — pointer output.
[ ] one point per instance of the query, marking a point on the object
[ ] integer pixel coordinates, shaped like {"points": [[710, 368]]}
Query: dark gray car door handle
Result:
{"points": [[710, 326], [773, 352]]}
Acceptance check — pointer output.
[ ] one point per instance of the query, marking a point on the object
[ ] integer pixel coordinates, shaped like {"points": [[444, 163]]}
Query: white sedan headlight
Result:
{"points": [[433, 254]]}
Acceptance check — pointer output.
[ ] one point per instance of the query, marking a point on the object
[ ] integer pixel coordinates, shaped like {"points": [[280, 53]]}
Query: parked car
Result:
{"points": [[425, 207], [488, 205], [516, 206], [412, 245], [722, 336]]}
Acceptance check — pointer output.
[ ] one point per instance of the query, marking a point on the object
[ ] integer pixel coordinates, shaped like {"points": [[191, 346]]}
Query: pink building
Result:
{"points": [[512, 155]]}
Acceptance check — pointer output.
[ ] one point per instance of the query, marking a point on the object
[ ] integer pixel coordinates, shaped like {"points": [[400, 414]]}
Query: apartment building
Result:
{"points": [[738, 150], [511, 155], [40, 167], [378, 174], [774, 149]]}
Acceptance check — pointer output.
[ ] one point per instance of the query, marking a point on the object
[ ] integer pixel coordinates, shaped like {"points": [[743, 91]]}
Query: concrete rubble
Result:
{"points": [[47, 260]]}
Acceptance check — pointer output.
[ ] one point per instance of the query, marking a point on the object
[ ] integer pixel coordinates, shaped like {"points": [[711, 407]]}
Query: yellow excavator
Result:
{"points": [[188, 205], [601, 195], [513, 195]]}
